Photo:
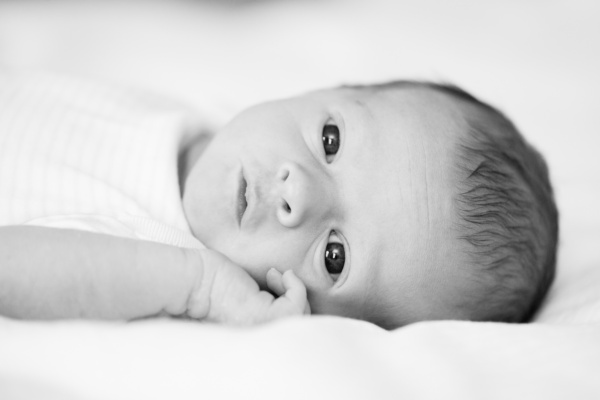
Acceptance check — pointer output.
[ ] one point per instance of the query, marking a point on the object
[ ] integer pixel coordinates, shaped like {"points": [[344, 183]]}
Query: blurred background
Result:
{"points": [[538, 61], [239, 52]]}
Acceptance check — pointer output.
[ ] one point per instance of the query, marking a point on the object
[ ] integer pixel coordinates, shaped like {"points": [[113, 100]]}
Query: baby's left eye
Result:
{"points": [[331, 141]]}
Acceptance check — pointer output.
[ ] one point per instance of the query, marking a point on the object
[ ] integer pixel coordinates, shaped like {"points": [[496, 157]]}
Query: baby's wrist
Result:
{"points": [[203, 275]]}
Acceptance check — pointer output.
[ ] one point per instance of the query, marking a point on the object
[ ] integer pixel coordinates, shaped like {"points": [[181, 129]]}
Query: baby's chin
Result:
{"points": [[258, 273], [257, 270]]}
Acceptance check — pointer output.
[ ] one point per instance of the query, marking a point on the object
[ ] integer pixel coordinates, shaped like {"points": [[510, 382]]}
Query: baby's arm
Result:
{"points": [[48, 273], [59, 273]]}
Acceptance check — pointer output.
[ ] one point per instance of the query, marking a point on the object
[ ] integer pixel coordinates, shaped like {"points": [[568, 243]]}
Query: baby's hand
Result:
{"points": [[228, 294], [290, 289]]}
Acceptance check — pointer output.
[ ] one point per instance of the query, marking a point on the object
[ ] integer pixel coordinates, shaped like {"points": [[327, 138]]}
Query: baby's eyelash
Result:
{"points": [[333, 234]]}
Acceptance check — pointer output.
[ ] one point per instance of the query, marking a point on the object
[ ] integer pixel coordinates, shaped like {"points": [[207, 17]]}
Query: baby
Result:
{"points": [[392, 203]]}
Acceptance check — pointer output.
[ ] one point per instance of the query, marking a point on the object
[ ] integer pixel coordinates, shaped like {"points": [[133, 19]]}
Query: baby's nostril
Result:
{"points": [[286, 207]]}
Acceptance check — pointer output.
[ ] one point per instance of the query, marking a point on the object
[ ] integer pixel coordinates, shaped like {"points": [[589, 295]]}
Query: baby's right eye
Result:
{"points": [[331, 141], [335, 258]]}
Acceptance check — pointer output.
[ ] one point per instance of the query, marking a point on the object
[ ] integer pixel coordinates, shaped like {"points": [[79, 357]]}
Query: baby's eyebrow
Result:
{"points": [[364, 107], [360, 103]]}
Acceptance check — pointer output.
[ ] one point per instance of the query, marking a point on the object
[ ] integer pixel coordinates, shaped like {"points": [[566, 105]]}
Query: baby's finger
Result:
{"points": [[295, 289], [275, 282]]}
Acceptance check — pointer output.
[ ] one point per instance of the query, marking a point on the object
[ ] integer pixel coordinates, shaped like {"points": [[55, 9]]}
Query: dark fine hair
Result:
{"points": [[507, 217]]}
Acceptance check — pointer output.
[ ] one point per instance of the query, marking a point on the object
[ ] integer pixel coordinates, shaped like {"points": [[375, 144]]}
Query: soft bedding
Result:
{"points": [[538, 62], [320, 357]]}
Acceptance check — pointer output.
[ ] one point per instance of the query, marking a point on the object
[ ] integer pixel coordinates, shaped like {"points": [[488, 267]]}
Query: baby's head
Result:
{"points": [[394, 203]]}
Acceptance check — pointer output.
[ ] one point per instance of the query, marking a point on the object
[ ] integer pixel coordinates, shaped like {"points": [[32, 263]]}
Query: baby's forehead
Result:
{"points": [[416, 269]]}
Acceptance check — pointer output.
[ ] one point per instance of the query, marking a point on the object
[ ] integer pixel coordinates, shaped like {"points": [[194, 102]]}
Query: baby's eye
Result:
{"points": [[335, 257], [331, 141]]}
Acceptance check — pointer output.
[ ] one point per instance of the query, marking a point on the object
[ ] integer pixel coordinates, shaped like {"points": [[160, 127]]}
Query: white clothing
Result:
{"points": [[77, 154]]}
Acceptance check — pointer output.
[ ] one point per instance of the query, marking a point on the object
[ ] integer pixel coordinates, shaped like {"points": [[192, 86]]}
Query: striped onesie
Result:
{"points": [[81, 155]]}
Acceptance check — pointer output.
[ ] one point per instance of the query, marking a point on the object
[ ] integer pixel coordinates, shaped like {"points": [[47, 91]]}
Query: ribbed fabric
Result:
{"points": [[75, 153]]}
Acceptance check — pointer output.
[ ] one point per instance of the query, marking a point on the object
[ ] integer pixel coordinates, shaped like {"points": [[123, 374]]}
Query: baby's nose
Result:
{"points": [[302, 196]]}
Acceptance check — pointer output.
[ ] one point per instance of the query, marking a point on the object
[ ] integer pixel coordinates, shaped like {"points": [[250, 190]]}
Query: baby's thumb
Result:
{"points": [[275, 282], [295, 291]]}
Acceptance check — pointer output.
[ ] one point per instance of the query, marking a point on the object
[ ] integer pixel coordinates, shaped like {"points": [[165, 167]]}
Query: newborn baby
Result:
{"points": [[392, 203]]}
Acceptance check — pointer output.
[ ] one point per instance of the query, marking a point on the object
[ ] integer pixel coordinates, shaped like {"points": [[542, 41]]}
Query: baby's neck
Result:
{"points": [[188, 155]]}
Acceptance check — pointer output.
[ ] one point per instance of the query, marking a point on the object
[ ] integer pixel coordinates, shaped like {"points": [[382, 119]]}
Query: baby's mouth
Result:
{"points": [[242, 204]]}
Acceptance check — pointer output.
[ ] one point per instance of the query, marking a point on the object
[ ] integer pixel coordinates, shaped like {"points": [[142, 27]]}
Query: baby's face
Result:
{"points": [[352, 189]]}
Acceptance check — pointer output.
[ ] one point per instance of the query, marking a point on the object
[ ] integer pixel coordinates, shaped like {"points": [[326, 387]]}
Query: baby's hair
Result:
{"points": [[507, 217], [508, 214]]}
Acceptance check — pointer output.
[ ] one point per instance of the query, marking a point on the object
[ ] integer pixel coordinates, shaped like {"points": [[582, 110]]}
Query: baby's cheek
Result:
{"points": [[326, 303], [257, 254]]}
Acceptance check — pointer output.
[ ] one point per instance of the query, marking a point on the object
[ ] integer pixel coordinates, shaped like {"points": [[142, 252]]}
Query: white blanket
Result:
{"points": [[537, 61], [320, 357]]}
